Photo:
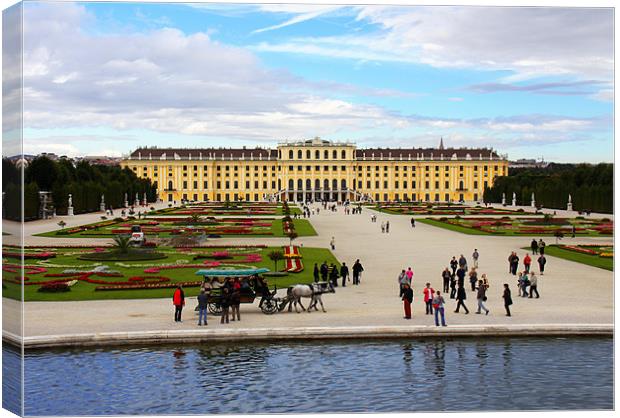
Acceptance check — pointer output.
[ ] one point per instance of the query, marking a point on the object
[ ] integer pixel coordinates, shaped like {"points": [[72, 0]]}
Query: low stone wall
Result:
{"points": [[303, 333]]}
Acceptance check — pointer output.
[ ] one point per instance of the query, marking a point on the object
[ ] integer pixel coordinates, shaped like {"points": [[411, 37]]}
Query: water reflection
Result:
{"points": [[315, 377]]}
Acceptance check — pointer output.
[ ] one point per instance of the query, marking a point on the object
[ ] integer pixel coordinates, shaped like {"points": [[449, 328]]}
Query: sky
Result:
{"points": [[105, 78]]}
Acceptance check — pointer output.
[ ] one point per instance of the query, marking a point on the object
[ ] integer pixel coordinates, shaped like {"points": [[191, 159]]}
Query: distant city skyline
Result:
{"points": [[106, 78]]}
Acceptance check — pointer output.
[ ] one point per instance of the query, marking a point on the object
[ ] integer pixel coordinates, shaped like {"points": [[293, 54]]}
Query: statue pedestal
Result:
{"points": [[102, 207], [514, 202], [70, 211], [533, 203], [503, 202], [569, 207], [126, 204]]}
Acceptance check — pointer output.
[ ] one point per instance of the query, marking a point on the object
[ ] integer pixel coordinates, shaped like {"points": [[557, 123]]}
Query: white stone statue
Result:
{"points": [[514, 199], [533, 200], [102, 204], [126, 202], [569, 206], [504, 199], [70, 207]]}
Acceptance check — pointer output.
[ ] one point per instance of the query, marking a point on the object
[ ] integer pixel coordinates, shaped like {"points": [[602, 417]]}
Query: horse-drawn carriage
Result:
{"points": [[252, 286]]}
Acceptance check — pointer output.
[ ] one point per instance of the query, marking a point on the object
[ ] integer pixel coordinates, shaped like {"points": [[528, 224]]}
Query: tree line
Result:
{"points": [[85, 182], [590, 186]]}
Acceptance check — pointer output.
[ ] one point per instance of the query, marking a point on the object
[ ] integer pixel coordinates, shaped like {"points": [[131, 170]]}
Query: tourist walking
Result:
{"points": [[507, 299], [333, 275], [410, 275], [178, 300], [387, 227], [527, 261], [514, 263], [438, 304], [452, 286], [225, 304], [475, 257], [344, 273], [534, 246], [525, 282], [357, 272], [382, 227], [454, 265], [324, 271], [235, 303], [445, 275], [316, 272], [412, 222], [460, 274], [463, 262], [203, 301], [473, 279], [461, 295], [429, 293], [533, 285], [402, 279], [482, 297], [541, 264], [541, 247], [407, 299], [332, 243]]}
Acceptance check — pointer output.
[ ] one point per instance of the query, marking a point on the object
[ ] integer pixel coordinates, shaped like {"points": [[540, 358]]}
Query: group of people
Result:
{"points": [[433, 300], [229, 298], [330, 272]]}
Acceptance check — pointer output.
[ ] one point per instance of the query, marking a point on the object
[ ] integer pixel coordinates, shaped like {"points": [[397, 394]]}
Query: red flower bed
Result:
{"points": [[29, 256]]}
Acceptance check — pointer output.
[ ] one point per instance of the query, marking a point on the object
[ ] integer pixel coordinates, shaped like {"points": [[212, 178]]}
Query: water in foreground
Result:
{"points": [[333, 376]]}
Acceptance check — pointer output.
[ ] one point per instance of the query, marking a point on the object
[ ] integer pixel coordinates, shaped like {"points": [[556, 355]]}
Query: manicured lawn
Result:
{"points": [[444, 209], [590, 260], [451, 227], [67, 258], [520, 226], [105, 229]]}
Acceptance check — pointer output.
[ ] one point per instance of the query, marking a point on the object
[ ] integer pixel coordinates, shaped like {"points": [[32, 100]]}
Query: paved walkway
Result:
{"points": [[571, 293]]}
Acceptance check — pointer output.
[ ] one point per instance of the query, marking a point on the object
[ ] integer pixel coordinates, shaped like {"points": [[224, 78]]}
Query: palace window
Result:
{"points": [[475, 184], [256, 184], [247, 184], [308, 154], [344, 155], [436, 185], [447, 185], [326, 155], [396, 184], [290, 154], [367, 184], [185, 184], [219, 185], [184, 168], [236, 184], [299, 155], [426, 185], [385, 184], [195, 185], [227, 184], [317, 154], [335, 155], [206, 185], [377, 184]]}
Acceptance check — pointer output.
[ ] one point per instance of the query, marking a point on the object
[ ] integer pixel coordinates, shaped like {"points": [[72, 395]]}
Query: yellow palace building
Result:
{"points": [[318, 169]]}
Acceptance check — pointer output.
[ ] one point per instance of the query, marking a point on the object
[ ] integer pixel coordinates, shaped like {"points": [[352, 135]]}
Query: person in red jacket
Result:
{"points": [[178, 300], [429, 292], [527, 261]]}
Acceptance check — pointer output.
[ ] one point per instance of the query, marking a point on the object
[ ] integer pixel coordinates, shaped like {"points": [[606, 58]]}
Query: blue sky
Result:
{"points": [[104, 78]]}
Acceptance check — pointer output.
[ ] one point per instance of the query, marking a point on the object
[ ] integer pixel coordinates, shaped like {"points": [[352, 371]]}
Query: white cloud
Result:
{"points": [[305, 13], [531, 42]]}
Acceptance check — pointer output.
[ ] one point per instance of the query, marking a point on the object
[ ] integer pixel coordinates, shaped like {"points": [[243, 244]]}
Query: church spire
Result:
{"points": [[441, 143]]}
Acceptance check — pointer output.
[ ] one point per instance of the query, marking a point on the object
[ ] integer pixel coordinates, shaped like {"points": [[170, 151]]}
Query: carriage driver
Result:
{"points": [[263, 288]]}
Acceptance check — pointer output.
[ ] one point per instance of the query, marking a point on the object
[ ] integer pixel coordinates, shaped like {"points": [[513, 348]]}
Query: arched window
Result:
{"points": [[343, 184], [344, 154], [317, 154], [335, 184], [299, 155], [291, 184], [317, 184], [461, 185], [170, 185], [308, 184], [279, 184], [308, 154], [326, 155], [300, 184], [290, 154], [326, 184], [335, 155]]}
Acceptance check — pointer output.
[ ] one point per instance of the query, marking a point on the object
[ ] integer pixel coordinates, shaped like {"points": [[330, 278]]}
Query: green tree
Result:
{"points": [[275, 256], [121, 244]]}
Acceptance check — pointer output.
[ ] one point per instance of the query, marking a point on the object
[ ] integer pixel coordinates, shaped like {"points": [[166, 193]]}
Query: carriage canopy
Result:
{"points": [[231, 273]]}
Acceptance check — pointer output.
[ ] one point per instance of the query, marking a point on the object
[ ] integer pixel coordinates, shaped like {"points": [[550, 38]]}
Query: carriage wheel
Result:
{"points": [[215, 308], [269, 307]]}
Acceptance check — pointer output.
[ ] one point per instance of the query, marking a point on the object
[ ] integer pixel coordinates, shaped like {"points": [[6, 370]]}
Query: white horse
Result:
{"points": [[312, 291]]}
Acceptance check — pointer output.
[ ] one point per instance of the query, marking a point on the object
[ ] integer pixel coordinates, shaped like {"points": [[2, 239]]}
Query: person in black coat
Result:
{"points": [[324, 271], [407, 299], [461, 295], [446, 276], [225, 304], [507, 299], [333, 275], [460, 274], [454, 264], [452, 287], [357, 270], [344, 272], [316, 272]]}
